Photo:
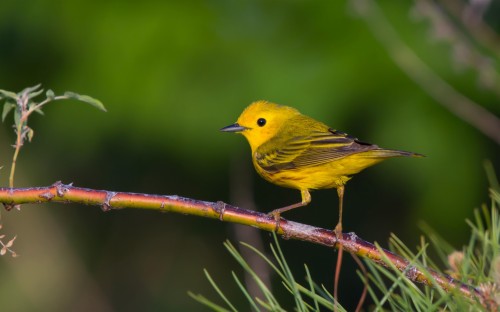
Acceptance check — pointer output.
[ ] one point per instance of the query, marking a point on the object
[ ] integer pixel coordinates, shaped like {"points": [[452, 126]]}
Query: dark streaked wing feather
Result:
{"points": [[318, 148]]}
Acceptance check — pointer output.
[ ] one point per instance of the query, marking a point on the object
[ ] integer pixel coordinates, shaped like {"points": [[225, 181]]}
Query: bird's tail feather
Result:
{"points": [[386, 153]]}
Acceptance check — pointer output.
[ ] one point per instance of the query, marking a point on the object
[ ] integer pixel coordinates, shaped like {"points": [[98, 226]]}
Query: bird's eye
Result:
{"points": [[261, 122]]}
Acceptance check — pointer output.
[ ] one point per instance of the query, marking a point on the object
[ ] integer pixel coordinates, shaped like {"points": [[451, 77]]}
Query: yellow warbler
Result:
{"points": [[293, 150]]}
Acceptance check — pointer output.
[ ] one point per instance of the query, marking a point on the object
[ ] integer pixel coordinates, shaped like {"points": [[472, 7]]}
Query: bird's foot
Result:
{"points": [[277, 217]]}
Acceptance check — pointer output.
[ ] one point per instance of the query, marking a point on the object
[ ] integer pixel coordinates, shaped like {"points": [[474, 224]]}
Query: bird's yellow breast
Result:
{"points": [[328, 175]]}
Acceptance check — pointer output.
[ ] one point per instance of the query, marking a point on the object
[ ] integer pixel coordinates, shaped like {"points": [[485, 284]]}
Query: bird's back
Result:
{"points": [[306, 154]]}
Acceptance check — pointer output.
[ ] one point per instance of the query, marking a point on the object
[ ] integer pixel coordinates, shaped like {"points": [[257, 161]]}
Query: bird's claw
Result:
{"points": [[277, 217]]}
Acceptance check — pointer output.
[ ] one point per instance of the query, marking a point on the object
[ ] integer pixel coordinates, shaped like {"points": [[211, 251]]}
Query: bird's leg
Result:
{"points": [[306, 199], [338, 234], [338, 228]]}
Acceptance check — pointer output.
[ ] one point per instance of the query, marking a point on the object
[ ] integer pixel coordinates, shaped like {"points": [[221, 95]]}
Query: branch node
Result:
{"points": [[277, 225], [285, 235], [352, 236], [220, 208], [106, 206], [412, 272], [61, 189], [47, 195]]}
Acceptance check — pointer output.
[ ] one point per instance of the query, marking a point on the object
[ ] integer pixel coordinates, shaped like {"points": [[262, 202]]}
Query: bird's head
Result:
{"points": [[261, 121]]}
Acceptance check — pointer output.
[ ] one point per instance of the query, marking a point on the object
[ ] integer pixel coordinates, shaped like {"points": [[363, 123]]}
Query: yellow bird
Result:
{"points": [[295, 151]]}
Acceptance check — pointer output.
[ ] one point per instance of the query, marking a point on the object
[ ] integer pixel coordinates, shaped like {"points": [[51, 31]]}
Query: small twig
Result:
{"points": [[471, 14], [350, 242], [20, 128], [14, 157], [25, 106], [6, 247], [39, 105], [336, 278], [442, 92], [365, 282]]}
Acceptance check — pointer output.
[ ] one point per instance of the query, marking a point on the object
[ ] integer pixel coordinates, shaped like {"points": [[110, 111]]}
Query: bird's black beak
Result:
{"points": [[233, 128]]}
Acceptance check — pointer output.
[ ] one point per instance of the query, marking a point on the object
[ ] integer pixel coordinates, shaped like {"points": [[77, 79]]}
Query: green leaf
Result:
{"points": [[201, 299], [17, 117], [50, 94], [7, 107], [9, 94], [30, 134], [217, 289], [245, 292], [85, 98], [30, 89], [34, 94], [38, 110]]}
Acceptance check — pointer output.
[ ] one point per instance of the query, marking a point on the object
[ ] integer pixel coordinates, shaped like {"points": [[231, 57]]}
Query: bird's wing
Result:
{"points": [[318, 148]]}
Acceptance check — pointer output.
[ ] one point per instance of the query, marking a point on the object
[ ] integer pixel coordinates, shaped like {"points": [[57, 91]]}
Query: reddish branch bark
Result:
{"points": [[350, 242]]}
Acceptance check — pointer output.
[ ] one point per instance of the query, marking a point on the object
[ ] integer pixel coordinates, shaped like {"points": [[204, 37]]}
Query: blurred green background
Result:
{"points": [[171, 74]]}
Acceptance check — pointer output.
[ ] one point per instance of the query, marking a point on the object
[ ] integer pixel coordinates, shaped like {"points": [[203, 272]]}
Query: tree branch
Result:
{"points": [[350, 242]]}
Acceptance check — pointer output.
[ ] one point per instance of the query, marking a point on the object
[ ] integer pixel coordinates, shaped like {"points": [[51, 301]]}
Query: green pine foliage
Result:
{"points": [[307, 296]]}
